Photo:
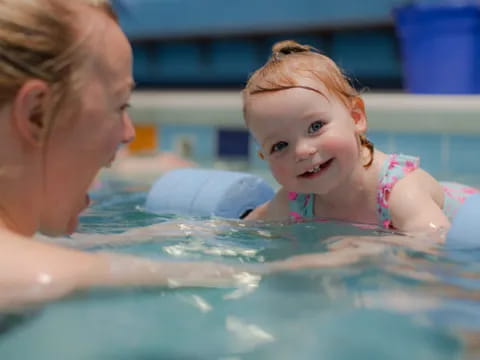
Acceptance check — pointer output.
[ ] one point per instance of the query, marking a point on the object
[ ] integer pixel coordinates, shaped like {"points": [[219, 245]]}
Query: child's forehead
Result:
{"points": [[292, 96], [314, 84]]}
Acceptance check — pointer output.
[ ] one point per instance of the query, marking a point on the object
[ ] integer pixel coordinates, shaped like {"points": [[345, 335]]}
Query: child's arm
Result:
{"points": [[275, 209], [416, 203]]}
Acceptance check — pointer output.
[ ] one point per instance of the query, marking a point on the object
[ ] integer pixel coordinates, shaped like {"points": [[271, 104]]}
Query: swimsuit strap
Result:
{"points": [[395, 168], [301, 205]]}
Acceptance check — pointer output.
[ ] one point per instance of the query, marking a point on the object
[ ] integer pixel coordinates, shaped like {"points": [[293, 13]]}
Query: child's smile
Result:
{"points": [[316, 170]]}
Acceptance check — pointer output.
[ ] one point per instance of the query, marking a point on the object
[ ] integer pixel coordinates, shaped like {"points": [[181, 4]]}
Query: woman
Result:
{"points": [[65, 82]]}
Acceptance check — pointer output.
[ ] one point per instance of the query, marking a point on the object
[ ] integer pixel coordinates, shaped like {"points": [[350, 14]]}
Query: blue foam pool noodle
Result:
{"points": [[464, 232], [203, 192]]}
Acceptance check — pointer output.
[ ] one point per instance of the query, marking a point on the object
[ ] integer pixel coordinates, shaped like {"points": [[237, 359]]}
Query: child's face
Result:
{"points": [[309, 139]]}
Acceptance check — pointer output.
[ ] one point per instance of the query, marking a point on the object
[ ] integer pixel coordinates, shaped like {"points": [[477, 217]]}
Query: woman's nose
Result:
{"points": [[128, 129]]}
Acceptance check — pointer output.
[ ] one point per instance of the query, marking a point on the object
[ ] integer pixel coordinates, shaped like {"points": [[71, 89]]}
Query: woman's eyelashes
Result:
{"points": [[315, 126], [278, 146], [124, 107]]}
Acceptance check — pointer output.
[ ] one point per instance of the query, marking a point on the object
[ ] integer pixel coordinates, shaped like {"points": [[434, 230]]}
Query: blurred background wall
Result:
{"points": [[394, 48], [217, 43]]}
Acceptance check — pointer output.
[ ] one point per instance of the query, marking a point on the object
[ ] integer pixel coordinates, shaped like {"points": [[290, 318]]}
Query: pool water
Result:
{"points": [[399, 304]]}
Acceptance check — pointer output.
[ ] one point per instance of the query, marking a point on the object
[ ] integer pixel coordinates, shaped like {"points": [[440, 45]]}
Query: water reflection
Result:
{"points": [[376, 295]]}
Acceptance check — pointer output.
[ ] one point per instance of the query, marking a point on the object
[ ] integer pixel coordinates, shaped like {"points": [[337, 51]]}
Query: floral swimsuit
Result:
{"points": [[396, 167]]}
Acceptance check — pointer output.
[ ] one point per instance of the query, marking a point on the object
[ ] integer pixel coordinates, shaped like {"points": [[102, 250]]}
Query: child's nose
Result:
{"points": [[304, 150]]}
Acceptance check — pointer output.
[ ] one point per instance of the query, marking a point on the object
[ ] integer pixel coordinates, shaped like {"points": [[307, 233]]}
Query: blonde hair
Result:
{"points": [[289, 64], [39, 39]]}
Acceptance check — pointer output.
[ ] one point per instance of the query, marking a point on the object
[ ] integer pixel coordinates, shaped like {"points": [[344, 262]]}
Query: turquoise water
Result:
{"points": [[398, 304]]}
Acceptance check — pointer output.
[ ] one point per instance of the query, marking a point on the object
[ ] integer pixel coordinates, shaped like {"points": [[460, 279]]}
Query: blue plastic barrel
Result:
{"points": [[440, 45]]}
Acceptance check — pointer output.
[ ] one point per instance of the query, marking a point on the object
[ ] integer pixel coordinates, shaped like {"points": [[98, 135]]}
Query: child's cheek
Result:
{"points": [[338, 145], [280, 172]]}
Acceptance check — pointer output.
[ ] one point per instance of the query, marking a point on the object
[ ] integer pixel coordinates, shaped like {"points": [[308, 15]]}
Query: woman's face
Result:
{"points": [[86, 139]]}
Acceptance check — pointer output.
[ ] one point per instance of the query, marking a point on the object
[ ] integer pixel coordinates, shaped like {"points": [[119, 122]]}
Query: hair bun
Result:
{"points": [[287, 47]]}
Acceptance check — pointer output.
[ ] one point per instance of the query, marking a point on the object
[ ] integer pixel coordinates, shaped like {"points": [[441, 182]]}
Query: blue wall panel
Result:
{"points": [[189, 42], [381, 140], [234, 59], [366, 53], [233, 143], [425, 146], [142, 64], [180, 18], [463, 157], [180, 61]]}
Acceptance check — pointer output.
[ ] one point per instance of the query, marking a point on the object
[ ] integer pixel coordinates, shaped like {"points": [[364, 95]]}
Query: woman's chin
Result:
{"points": [[87, 202], [56, 231], [71, 226], [73, 222]]}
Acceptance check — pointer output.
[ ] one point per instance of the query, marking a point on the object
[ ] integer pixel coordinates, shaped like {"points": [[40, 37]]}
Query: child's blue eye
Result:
{"points": [[315, 126], [279, 146]]}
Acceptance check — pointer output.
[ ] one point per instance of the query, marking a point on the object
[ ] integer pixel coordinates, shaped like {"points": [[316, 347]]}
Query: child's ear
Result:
{"points": [[28, 112], [357, 112], [260, 155]]}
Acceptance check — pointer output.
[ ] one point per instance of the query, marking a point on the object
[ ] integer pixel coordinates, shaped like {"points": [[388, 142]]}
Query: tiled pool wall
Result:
{"points": [[211, 50], [208, 128], [230, 61]]}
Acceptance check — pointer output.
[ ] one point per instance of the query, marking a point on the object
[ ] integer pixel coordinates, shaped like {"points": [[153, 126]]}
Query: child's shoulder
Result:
{"points": [[278, 208], [398, 168], [412, 179]]}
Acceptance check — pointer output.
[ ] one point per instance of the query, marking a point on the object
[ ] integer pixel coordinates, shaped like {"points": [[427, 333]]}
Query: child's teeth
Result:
{"points": [[314, 170]]}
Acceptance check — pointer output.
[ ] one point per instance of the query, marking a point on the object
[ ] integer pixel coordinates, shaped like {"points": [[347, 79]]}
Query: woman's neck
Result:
{"points": [[9, 223]]}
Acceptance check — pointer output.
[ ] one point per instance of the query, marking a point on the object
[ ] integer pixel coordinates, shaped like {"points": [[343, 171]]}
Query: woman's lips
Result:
{"points": [[317, 170]]}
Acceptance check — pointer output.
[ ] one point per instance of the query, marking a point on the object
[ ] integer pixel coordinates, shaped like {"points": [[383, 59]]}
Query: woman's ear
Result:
{"points": [[260, 155], [28, 112], [357, 112]]}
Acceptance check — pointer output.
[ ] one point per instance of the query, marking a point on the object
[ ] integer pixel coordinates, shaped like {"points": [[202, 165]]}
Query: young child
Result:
{"points": [[310, 124]]}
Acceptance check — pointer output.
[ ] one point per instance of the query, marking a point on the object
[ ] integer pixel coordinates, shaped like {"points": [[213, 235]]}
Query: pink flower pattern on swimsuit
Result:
{"points": [[296, 216], [455, 195], [299, 203], [469, 190], [307, 199], [395, 168], [393, 162], [410, 166]]}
